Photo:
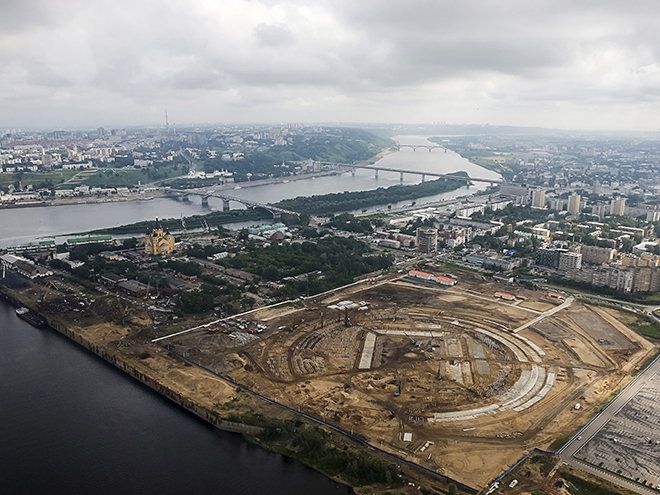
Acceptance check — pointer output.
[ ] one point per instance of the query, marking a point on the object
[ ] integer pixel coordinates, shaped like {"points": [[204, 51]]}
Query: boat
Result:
{"points": [[31, 317], [237, 187]]}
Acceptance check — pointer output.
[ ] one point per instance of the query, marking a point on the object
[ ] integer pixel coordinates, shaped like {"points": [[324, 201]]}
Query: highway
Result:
{"points": [[588, 432]]}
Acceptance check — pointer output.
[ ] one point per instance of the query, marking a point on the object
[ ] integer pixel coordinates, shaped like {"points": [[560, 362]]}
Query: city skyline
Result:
{"points": [[593, 66]]}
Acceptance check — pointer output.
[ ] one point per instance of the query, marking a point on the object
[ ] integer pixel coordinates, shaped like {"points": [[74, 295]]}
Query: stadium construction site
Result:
{"points": [[454, 372]]}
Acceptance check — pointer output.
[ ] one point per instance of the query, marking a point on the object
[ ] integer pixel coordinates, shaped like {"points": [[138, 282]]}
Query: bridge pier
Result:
{"points": [[353, 172], [401, 177], [185, 197], [225, 205], [376, 174], [205, 200], [423, 178]]}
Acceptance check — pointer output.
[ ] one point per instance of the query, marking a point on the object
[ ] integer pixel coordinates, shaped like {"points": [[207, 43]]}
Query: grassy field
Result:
{"points": [[49, 179], [106, 177], [110, 177], [646, 326]]}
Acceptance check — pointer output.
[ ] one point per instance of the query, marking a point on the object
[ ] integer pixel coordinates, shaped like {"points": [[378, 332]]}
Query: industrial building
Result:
{"points": [[24, 267], [428, 276]]}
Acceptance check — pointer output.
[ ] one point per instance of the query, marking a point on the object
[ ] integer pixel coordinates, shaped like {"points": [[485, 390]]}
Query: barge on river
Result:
{"points": [[31, 317]]}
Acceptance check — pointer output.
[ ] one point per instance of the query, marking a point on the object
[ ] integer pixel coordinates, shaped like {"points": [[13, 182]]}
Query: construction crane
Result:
{"points": [[123, 311], [49, 286]]}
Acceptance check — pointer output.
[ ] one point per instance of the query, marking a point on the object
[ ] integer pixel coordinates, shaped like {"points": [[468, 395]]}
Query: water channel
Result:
{"points": [[21, 225]]}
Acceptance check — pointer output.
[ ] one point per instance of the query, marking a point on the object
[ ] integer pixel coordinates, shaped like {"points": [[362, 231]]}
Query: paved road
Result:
{"points": [[548, 313], [567, 452]]}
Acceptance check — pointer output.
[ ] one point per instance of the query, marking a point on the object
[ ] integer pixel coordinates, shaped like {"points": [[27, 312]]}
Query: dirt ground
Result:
{"points": [[428, 372], [431, 352]]}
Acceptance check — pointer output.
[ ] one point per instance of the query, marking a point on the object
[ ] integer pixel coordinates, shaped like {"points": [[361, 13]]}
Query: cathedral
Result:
{"points": [[157, 242]]}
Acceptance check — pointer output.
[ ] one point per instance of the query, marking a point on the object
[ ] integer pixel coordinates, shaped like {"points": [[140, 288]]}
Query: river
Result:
{"points": [[72, 424], [22, 225]]}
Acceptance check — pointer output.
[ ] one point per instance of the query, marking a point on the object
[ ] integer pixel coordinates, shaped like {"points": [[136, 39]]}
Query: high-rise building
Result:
{"points": [[549, 256], [570, 261], [618, 207], [538, 199], [426, 240], [574, 204], [597, 255]]}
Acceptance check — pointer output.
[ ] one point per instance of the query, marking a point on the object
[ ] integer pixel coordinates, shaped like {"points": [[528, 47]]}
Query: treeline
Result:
{"points": [[329, 203], [315, 447], [330, 263], [633, 297], [214, 219], [332, 145]]}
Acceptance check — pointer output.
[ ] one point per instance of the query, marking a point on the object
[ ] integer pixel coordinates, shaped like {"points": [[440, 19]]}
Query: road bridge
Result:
{"points": [[205, 194], [414, 147], [467, 179]]}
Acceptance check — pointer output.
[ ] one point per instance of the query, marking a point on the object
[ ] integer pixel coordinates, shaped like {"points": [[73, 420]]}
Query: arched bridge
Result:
{"points": [[206, 194], [414, 147]]}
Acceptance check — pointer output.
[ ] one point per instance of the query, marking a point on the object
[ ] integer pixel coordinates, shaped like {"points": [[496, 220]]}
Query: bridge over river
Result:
{"points": [[376, 169], [205, 194]]}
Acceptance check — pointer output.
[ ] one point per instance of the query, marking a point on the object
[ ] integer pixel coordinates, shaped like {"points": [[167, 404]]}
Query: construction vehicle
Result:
{"points": [[398, 392]]}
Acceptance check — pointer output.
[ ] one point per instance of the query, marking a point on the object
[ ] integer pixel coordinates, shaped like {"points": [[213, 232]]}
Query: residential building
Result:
{"points": [[538, 199], [597, 255], [618, 207], [549, 256], [452, 236], [570, 261], [574, 204], [426, 240]]}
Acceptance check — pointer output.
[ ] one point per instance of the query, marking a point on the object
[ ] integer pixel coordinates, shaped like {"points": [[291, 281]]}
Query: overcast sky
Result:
{"points": [[585, 64]]}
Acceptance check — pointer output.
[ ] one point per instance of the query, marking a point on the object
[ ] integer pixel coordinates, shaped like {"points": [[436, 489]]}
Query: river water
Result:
{"points": [[72, 424], [22, 225]]}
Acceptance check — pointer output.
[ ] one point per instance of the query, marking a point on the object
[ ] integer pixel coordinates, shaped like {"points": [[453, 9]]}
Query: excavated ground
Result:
{"points": [[438, 363]]}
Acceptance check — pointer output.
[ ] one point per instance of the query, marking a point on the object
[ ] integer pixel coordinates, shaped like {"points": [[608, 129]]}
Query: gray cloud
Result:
{"points": [[274, 36], [548, 62]]}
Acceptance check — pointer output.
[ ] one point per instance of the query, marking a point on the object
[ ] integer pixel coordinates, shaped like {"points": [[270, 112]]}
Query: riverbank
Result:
{"points": [[210, 397], [151, 192]]}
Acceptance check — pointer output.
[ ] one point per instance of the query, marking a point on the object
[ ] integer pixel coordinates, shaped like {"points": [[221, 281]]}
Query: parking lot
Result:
{"points": [[629, 443]]}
